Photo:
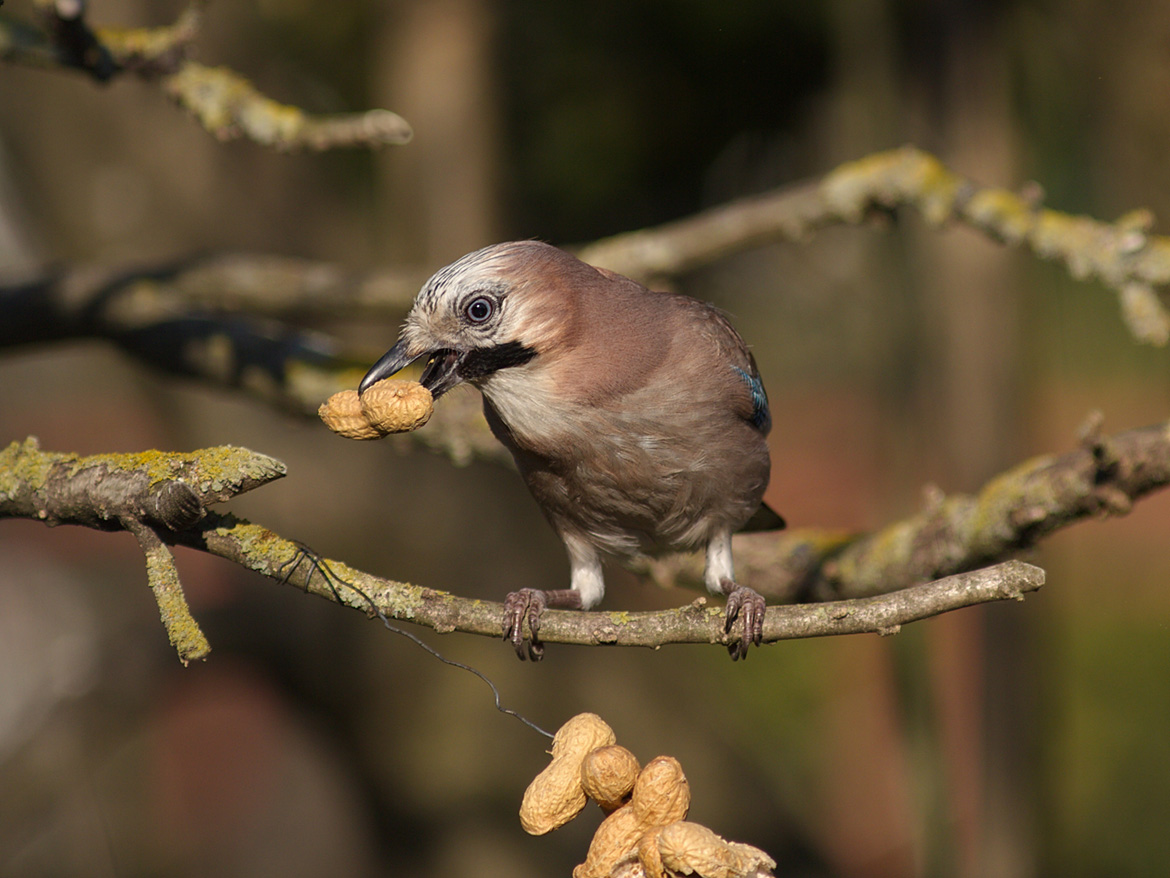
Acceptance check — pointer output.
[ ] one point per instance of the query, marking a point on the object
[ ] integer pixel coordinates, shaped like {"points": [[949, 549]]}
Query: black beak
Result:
{"points": [[438, 377]]}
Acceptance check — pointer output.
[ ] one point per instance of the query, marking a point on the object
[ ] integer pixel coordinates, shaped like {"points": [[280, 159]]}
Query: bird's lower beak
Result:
{"points": [[438, 377]]}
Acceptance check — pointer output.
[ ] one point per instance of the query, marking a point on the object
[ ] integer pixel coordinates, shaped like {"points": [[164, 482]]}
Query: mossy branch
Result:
{"points": [[184, 317], [221, 100], [1104, 476], [153, 494], [1124, 254], [162, 499]]}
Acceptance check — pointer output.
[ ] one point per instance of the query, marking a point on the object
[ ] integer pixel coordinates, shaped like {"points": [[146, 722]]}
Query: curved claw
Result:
{"points": [[522, 609], [745, 602]]}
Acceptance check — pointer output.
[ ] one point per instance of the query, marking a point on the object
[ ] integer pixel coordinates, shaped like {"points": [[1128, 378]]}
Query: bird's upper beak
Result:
{"points": [[438, 377]]}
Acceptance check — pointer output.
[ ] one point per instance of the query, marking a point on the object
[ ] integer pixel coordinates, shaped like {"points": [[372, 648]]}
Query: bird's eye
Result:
{"points": [[479, 309]]}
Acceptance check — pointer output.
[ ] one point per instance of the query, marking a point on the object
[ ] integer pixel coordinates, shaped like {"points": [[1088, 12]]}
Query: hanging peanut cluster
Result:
{"points": [[645, 834], [390, 406]]}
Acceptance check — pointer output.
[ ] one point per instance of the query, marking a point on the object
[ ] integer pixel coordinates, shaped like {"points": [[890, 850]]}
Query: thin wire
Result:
{"points": [[319, 566]]}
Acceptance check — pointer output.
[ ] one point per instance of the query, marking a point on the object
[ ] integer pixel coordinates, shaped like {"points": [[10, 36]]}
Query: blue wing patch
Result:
{"points": [[761, 416]]}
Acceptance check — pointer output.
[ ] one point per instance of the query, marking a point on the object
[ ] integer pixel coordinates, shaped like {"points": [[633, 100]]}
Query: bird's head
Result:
{"points": [[497, 308]]}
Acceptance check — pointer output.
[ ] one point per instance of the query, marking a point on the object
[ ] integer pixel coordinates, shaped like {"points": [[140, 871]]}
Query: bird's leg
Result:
{"points": [[742, 602], [524, 607], [746, 603]]}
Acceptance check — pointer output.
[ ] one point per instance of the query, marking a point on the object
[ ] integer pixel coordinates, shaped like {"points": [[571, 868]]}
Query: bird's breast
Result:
{"points": [[632, 478]]}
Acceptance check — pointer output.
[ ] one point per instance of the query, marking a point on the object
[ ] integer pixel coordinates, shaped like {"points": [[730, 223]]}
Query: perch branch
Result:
{"points": [[221, 100], [162, 499], [265, 552]]}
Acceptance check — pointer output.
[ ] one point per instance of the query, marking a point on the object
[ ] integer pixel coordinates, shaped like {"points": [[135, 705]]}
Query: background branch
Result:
{"points": [[221, 100], [1123, 255], [1010, 513], [183, 317]]}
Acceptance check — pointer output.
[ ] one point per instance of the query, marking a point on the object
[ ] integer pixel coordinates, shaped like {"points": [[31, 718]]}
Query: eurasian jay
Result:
{"points": [[636, 418]]}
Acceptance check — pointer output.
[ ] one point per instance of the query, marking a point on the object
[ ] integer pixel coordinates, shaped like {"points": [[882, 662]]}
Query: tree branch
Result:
{"points": [[277, 558], [151, 494], [162, 499], [221, 100], [1011, 513], [1123, 254], [181, 317]]}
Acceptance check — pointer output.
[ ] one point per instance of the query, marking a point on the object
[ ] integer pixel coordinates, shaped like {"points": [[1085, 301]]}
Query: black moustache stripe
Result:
{"points": [[481, 362]]}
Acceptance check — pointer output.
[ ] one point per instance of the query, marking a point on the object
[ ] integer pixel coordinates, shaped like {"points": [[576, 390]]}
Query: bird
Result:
{"points": [[637, 419]]}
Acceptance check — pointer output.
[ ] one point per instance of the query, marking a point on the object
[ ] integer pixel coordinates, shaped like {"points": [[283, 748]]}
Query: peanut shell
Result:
{"points": [[608, 775], [691, 848], [661, 794], [396, 406], [342, 413], [555, 795], [628, 866], [617, 835], [649, 856]]}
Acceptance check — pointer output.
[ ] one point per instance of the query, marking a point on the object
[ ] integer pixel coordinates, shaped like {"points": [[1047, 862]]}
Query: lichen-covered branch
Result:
{"points": [[162, 499], [1011, 513], [162, 576], [153, 494], [221, 100], [269, 554], [1123, 254], [229, 106], [183, 317]]}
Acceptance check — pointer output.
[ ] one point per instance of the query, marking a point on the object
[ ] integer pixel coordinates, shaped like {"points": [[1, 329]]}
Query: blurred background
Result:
{"points": [[1016, 740]]}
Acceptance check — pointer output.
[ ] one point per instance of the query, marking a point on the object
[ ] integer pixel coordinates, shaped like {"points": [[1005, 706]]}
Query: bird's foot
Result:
{"points": [[523, 608], [746, 604]]}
